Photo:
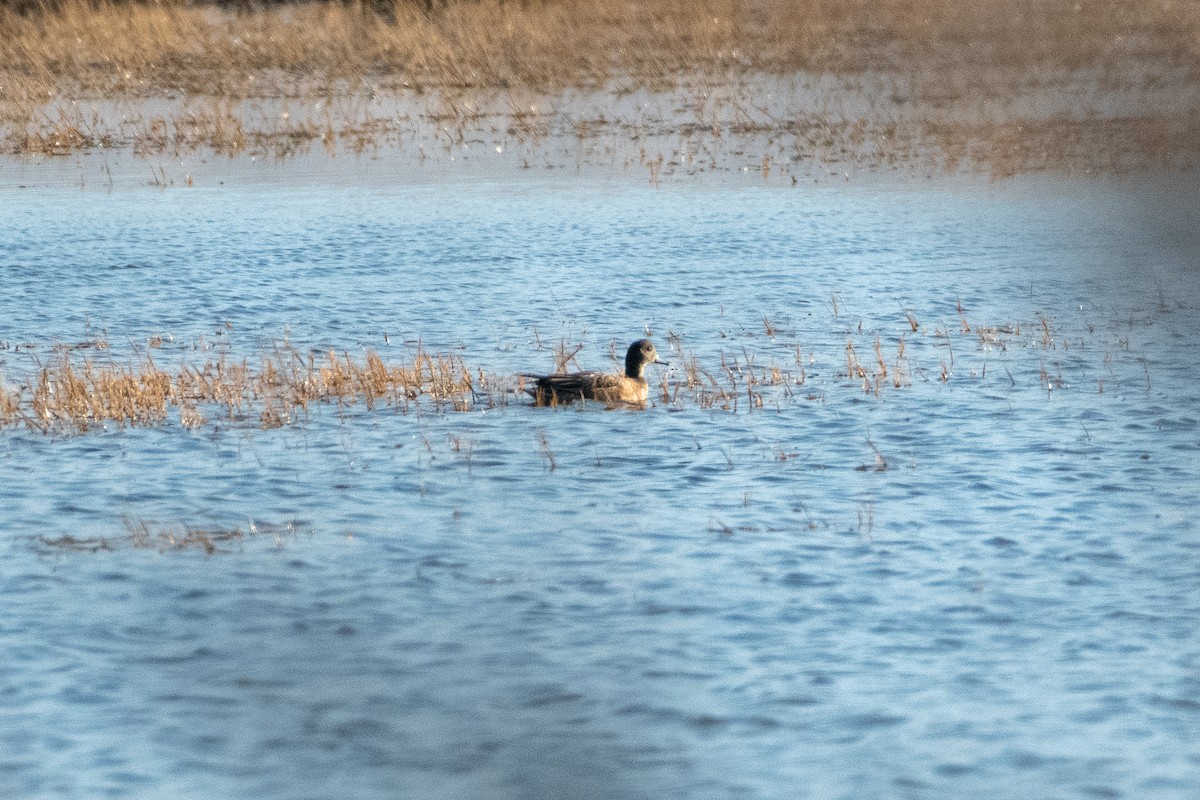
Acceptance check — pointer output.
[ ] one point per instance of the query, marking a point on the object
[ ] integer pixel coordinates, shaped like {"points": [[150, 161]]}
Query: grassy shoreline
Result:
{"points": [[1018, 86]]}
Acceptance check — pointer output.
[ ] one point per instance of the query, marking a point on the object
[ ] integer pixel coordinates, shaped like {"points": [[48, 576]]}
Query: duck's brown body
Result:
{"points": [[630, 388], [612, 389]]}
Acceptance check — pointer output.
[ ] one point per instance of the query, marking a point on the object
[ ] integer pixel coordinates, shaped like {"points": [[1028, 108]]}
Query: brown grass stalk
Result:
{"points": [[69, 394], [177, 43]]}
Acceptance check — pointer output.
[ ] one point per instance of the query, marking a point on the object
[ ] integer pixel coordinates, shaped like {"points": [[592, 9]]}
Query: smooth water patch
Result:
{"points": [[981, 581]]}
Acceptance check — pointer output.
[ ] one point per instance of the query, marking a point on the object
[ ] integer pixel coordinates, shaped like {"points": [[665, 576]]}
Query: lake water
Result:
{"points": [[983, 582]]}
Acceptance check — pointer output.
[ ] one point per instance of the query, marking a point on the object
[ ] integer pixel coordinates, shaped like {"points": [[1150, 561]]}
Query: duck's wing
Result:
{"points": [[550, 390], [603, 382]]}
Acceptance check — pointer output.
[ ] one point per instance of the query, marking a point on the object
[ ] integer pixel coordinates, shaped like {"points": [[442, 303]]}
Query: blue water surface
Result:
{"points": [[983, 582]]}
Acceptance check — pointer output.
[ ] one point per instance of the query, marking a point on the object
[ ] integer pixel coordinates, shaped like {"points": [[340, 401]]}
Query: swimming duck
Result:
{"points": [[630, 388]]}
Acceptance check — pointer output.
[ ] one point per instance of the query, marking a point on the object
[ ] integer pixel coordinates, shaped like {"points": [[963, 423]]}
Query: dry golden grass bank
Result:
{"points": [[1110, 77], [95, 45]]}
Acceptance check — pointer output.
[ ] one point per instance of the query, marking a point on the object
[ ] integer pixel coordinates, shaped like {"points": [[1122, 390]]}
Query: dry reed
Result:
{"points": [[181, 45], [68, 394]]}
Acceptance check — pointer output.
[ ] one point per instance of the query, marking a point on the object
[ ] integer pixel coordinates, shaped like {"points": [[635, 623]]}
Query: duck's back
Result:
{"points": [[553, 389]]}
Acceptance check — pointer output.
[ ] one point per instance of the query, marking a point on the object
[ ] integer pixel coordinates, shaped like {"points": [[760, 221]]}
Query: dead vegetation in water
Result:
{"points": [[77, 389], [73, 394], [143, 535], [892, 356], [1008, 86]]}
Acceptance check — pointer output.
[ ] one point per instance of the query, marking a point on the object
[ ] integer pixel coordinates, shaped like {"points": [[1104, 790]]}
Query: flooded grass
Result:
{"points": [[767, 85], [285, 384], [282, 384]]}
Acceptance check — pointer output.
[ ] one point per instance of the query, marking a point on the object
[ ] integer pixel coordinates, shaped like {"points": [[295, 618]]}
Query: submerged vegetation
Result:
{"points": [[143, 535], [777, 86]]}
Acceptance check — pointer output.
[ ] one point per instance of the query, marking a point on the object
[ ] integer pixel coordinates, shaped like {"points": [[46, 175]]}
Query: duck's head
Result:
{"points": [[640, 354]]}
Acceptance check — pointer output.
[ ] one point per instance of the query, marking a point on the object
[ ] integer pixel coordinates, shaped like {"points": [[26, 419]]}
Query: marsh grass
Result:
{"points": [[72, 394], [180, 45], [83, 386], [1009, 85]]}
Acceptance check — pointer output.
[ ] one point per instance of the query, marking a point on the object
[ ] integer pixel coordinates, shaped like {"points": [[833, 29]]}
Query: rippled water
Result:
{"points": [[681, 602]]}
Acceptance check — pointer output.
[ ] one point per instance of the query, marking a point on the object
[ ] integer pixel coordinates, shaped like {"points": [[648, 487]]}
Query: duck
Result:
{"points": [[630, 388]]}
